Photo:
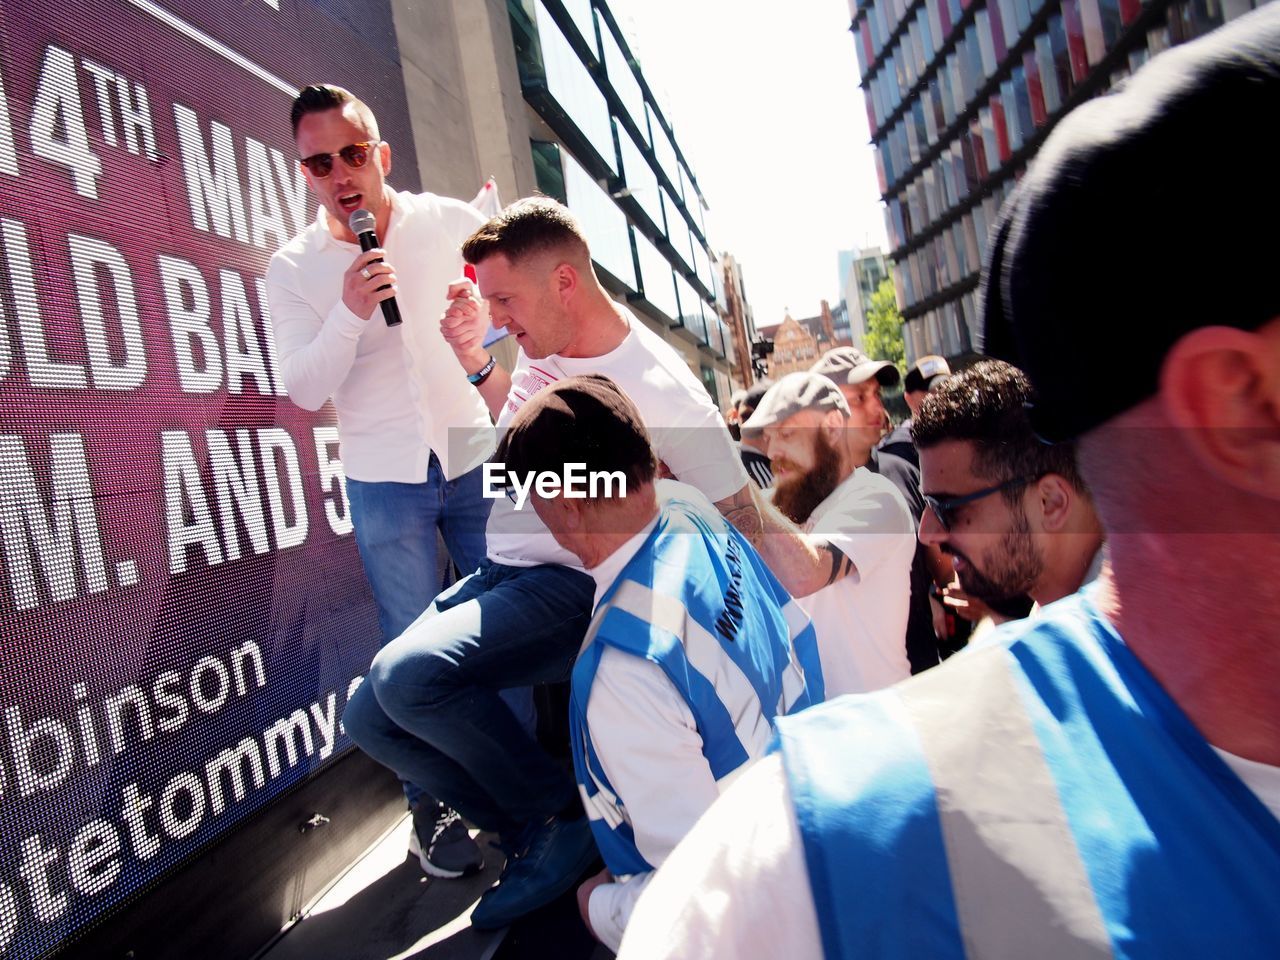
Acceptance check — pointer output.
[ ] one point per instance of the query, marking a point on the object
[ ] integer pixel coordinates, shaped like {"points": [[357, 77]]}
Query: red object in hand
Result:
{"points": [[469, 271]]}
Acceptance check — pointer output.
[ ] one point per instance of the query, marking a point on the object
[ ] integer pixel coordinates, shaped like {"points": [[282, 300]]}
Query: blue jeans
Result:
{"points": [[430, 709], [396, 533]]}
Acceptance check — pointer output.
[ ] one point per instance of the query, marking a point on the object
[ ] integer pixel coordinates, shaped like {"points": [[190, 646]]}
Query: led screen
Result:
{"points": [[182, 607]]}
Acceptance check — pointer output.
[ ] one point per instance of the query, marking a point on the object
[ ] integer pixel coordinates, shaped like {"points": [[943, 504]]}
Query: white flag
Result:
{"points": [[486, 201]]}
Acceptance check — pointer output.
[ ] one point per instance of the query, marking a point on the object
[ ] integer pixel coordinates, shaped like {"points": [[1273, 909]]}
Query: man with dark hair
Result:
{"points": [[694, 647], [429, 708], [1104, 780], [413, 433], [860, 615], [1040, 536]]}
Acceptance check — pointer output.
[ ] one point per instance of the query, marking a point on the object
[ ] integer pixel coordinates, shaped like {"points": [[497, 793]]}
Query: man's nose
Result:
{"points": [[931, 531]]}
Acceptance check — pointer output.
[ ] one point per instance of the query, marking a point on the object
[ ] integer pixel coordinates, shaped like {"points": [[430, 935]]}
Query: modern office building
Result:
{"points": [[867, 270], [602, 144], [960, 94]]}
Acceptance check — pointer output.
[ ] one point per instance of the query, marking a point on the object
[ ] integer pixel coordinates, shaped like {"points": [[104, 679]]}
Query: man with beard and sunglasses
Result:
{"points": [[413, 432], [860, 615], [1012, 512]]}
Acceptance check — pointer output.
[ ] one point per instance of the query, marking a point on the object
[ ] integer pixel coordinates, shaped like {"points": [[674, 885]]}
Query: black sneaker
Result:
{"points": [[440, 841]]}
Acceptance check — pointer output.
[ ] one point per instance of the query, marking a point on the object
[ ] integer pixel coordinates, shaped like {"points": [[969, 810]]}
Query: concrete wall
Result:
{"points": [[464, 96]]}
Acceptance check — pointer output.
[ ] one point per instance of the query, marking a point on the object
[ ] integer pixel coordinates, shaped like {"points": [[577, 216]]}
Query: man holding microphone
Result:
{"points": [[411, 460]]}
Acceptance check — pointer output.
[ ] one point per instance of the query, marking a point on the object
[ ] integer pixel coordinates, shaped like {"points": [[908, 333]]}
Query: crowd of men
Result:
{"points": [[753, 760]]}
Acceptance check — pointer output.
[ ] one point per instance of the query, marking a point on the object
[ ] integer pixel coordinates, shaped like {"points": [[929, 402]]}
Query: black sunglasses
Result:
{"points": [[945, 510], [355, 156]]}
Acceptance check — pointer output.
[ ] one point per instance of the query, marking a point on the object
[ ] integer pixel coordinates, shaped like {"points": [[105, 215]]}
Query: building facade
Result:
{"points": [[797, 344], [600, 142], [960, 94]]}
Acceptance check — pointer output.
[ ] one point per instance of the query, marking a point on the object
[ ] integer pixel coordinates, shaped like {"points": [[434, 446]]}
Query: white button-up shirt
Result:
{"points": [[399, 391]]}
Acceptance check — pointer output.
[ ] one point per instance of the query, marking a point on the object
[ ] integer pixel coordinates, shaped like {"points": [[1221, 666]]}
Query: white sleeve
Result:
{"points": [[648, 744], [611, 905], [737, 887], [315, 353], [868, 529], [695, 444]]}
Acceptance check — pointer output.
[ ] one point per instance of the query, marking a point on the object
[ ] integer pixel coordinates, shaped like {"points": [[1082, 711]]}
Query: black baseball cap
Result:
{"points": [[588, 420], [1148, 213]]}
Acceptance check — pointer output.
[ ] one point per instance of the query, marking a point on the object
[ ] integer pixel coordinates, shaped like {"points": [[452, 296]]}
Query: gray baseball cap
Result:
{"points": [[849, 365], [793, 393]]}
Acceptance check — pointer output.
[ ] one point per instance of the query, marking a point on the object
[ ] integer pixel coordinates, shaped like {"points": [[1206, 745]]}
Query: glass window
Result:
{"points": [[663, 149], [572, 86], [1091, 20], [1022, 15], [1022, 100], [580, 12], [998, 45], [995, 130], [1075, 40], [1062, 63], [623, 80], [678, 230], [656, 276], [927, 43], [986, 43], [1112, 22], [547, 173], [1008, 22], [686, 191], [1035, 92], [690, 316], [640, 179], [603, 221]]}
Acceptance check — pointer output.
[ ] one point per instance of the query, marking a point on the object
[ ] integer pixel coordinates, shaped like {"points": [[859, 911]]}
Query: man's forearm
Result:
{"points": [[495, 387], [802, 563]]}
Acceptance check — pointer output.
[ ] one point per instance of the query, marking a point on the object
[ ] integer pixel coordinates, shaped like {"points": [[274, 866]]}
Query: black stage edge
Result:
{"points": [[233, 901]]}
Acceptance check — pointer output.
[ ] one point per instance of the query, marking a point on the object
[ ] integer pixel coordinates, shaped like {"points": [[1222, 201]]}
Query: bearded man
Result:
{"points": [[858, 517]]}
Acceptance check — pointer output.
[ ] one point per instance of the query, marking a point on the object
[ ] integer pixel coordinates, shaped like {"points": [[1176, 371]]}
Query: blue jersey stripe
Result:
{"points": [[861, 753]]}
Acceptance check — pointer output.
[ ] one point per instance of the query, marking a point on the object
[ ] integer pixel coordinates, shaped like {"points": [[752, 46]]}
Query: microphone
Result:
{"points": [[364, 226]]}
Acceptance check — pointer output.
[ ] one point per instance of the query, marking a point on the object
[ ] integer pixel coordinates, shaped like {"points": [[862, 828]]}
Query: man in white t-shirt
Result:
{"points": [[860, 519], [429, 708]]}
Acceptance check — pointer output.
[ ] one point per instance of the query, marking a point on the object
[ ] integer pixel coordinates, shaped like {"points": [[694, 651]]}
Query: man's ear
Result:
{"points": [[565, 277], [1220, 387], [384, 158], [833, 426], [1055, 495]]}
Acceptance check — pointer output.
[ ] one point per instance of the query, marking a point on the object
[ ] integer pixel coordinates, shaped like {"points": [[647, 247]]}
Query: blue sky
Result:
{"points": [[764, 101]]}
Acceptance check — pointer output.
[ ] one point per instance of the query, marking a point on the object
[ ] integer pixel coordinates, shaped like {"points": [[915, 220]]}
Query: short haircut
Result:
{"points": [[987, 405], [321, 97], [527, 227], [588, 420]]}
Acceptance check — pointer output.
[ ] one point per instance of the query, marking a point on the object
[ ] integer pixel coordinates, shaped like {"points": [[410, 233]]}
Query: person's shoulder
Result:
{"points": [[291, 254], [655, 363], [887, 780], [866, 490], [892, 464], [441, 206], [1074, 620]]}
